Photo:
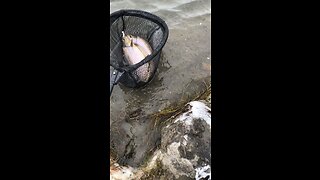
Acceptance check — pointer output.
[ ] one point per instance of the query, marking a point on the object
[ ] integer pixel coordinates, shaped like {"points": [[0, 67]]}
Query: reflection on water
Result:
{"points": [[174, 12], [186, 59]]}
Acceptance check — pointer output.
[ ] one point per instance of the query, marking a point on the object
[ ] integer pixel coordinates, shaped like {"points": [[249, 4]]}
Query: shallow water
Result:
{"points": [[184, 67]]}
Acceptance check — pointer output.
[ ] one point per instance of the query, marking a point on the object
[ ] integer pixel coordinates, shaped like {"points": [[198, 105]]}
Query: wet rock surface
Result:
{"points": [[186, 143], [185, 151], [136, 143], [134, 136]]}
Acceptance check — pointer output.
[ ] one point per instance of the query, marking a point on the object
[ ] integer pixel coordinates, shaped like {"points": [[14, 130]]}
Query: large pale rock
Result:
{"points": [[186, 143], [185, 151]]}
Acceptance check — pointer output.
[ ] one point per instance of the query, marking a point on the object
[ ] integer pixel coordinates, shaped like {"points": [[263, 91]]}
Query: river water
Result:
{"points": [[184, 67]]}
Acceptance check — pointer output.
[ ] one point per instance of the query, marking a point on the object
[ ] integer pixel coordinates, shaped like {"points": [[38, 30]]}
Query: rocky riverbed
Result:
{"points": [[184, 151]]}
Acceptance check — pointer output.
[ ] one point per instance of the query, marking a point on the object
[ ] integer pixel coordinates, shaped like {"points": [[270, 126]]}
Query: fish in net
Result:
{"points": [[130, 31]]}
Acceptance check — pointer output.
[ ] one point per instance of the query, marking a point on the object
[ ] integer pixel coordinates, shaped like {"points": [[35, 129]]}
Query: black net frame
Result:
{"points": [[138, 23]]}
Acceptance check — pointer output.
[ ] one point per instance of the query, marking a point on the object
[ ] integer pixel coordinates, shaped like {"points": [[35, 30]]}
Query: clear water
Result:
{"points": [[185, 65]]}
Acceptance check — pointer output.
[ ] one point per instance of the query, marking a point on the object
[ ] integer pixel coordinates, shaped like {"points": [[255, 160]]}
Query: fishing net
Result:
{"points": [[144, 25]]}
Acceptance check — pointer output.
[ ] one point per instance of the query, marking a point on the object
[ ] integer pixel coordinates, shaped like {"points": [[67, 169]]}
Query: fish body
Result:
{"points": [[135, 50], [142, 45]]}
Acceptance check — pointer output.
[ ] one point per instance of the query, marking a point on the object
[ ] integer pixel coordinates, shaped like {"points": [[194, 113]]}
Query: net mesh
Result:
{"points": [[144, 25]]}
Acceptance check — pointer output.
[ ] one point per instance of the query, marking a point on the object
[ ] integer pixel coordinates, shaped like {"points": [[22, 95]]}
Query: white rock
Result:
{"points": [[198, 110], [201, 172]]}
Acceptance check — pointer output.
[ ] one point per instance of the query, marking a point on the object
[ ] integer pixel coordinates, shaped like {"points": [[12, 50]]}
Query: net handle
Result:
{"points": [[142, 14]]}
